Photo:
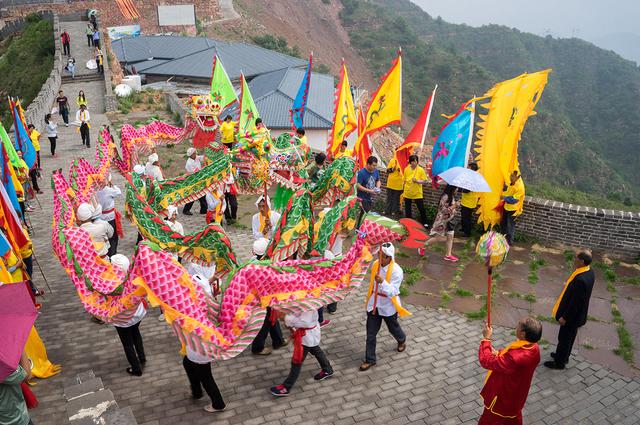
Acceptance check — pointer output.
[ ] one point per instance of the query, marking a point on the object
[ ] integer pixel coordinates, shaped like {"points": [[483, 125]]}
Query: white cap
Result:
{"points": [[191, 151], [120, 261], [261, 198], [153, 157], [138, 169], [388, 249], [85, 212], [260, 246], [328, 255], [171, 210], [97, 212]]}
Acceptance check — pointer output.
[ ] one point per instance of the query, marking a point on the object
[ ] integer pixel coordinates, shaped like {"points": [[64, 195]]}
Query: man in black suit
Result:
{"points": [[571, 308]]}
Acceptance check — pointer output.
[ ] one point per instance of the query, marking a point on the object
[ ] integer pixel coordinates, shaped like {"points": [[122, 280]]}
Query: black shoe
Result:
{"points": [[134, 373], [187, 213], [553, 365], [203, 212], [553, 355]]}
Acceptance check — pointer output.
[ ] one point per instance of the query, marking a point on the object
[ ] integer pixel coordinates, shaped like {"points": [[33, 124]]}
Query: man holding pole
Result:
{"points": [[383, 303]]}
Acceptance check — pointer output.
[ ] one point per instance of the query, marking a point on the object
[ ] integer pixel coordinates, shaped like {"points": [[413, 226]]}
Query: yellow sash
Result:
{"points": [[402, 312], [573, 275], [514, 345], [36, 351], [262, 221]]}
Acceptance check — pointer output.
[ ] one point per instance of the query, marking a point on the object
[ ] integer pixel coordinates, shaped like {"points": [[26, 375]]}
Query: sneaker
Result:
{"points": [[366, 366], [451, 258], [279, 391], [30, 208], [187, 213], [265, 352], [284, 344], [66, 124], [323, 375], [553, 365], [324, 323], [161, 318]]}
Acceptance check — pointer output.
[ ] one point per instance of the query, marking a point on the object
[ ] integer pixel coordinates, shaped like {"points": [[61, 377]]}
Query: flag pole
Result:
{"points": [[426, 124]]}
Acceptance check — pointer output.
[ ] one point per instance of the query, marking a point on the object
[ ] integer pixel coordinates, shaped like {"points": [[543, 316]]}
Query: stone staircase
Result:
{"points": [[94, 76], [89, 403]]}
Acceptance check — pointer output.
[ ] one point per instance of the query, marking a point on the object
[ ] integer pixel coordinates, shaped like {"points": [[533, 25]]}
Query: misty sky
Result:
{"points": [[613, 25]]}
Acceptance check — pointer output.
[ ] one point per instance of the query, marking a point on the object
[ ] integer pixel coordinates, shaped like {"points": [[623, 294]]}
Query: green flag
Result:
{"points": [[221, 88], [248, 111], [11, 151]]}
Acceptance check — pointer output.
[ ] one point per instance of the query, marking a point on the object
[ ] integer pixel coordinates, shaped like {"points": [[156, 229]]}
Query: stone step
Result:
{"points": [[84, 388], [122, 416], [89, 409], [79, 378], [82, 77]]}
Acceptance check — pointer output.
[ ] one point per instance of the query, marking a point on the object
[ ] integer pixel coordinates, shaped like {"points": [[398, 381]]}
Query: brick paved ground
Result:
{"points": [[435, 381]]}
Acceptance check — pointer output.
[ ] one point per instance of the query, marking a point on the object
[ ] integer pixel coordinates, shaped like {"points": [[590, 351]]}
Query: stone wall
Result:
{"points": [[41, 104], [613, 232]]}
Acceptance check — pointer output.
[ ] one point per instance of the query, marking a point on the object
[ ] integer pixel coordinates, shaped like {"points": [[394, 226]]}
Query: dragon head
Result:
{"points": [[205, 111], [378, 229]]}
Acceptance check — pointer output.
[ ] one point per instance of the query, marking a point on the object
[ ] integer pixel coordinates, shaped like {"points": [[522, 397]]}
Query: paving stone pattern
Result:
{"points": [[436, 381]]}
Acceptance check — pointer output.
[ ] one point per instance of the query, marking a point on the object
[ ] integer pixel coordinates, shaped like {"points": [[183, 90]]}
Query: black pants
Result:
{"points": [[466, 215], [231, 212], [367, 205], [66, 49], [132, 344], [100, 69], [420, 204], [203, 206], [33, 173], [374, 321], [331, 308], [89, 40], [267, 329], [52, 141], [566, 337], [84, 133], [96, 43], [28, 265], [508, 225], [393, 202], [200, 377], [113, 240], [65, 116], [296, 368]]}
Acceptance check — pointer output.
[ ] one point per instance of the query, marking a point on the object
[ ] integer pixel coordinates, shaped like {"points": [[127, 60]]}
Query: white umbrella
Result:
{"points": [[465, 178]]}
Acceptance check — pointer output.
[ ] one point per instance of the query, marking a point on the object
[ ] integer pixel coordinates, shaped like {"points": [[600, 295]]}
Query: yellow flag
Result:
{"points": [[386, 104], [344, 115], [510, 104]]}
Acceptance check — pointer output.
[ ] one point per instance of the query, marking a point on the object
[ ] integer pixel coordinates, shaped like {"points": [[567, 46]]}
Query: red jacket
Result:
{"points": [[507, 386], [65, 38]]}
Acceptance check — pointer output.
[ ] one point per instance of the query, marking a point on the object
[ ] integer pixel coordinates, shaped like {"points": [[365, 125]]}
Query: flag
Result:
{"points": [[10, 184], [222, 90], [300, 102], [386, 104], [363, 146], [510, 103], [23, 141], [344, 115], [451, 148], [16, 161], [10, 223], [248, 111], [417, 134]]}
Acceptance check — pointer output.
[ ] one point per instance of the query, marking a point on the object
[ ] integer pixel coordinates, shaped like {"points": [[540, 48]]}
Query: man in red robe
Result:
{"points": [[510, 373]]}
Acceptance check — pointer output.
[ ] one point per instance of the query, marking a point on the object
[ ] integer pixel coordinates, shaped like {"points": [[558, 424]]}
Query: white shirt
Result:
{"points": [[255, 225], [390, 289], [176, 226], [309, 321], [136, 318], [51, 129], [194, 165], [100, 232], [206, 271], [336, 248], [83, 116], [153, 171], [192, 355], [212, 201], [106, 198]]}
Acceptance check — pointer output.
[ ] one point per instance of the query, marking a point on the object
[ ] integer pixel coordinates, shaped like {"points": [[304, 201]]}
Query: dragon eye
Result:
{"points": [[200, 101]]}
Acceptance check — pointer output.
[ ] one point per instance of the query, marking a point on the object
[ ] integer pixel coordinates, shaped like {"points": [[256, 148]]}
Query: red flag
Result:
{"points": [[417, 134], [364, 150]]}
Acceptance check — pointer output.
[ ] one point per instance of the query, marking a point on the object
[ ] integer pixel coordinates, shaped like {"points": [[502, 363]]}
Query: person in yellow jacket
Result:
{"points": [[414, 178], [395, 183], [513, 197], [468, 204], [227, 131], [344, 150], [34, 135]]}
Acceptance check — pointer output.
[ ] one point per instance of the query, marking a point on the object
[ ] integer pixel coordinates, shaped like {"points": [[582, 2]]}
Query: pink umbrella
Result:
{"points": [[17, 315]]}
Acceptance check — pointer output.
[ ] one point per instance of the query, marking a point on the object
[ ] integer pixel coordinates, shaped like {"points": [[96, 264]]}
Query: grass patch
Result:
{"points": [[587, 346], [568, 257], [625, 345], [548, 319], [401, 255], [411, 275], [543, 342], [404, 291], [528, 297], [617, 316], [632, 280], [444, 298], [535, 264], [477, 315], [463, 292], [237, 225]]}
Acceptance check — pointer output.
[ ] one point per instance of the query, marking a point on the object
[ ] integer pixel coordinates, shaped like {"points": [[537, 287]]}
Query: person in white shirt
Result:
{"points": [[306, 339], [152, 167], [216, 206], [384, 303], [84, 118], [172, 220], [129, 332], [100, 231], [198, 366], [270, 326], [106, 198], [194, 163], [263, 224]]}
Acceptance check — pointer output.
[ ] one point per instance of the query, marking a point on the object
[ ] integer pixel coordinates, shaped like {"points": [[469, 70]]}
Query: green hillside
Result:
{"points": [[585, 136]]}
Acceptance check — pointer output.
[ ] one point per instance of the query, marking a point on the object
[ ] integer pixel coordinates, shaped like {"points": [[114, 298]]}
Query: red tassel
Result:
{"points": [[273, 317], [298, 349], [118, 228], [29, 397]]}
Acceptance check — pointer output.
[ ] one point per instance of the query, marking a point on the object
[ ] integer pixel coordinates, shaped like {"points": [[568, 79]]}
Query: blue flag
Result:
{"points": [[5, 247], [451, 149], [6, 181], [300, 102], [23, 141]]}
